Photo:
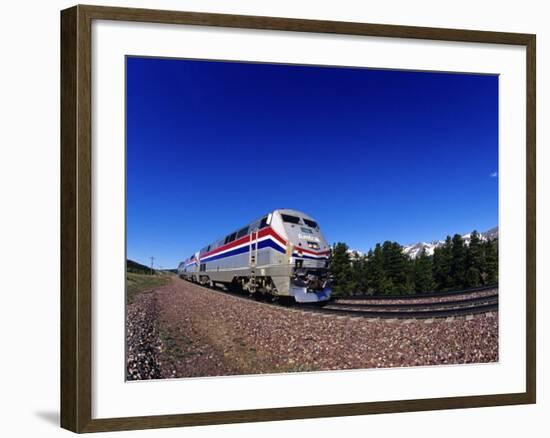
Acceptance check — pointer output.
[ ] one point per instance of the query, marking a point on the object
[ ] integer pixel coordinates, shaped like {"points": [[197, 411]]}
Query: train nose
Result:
{"points": [[309, 280], [314, 282]]}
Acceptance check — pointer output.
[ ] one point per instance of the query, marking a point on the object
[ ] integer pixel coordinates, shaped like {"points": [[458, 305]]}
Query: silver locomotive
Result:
{"points": [[282, 254]]}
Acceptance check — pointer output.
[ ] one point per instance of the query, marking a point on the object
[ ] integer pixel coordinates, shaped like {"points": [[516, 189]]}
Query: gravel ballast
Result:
{"points": [[143, 344], [194, 331]]}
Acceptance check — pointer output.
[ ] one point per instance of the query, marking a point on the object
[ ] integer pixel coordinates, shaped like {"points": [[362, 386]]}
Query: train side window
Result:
{"points": [[242, 232], [263, 222], [230, 238]]}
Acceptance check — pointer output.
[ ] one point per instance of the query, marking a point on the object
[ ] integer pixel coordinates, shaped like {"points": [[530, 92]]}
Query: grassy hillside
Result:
{"points": [[143, 283], [137, 268], [169, 271], [140, 280]]}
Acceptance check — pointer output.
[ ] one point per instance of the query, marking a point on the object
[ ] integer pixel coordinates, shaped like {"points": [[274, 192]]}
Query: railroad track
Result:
{"points": [[435, 309], [421, 295], [405, 314], [418, 310], [454, 303]]}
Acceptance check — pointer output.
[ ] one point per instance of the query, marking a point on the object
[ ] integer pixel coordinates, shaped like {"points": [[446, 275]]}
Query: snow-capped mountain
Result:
{"points": [[415, 249], [355, 254]]}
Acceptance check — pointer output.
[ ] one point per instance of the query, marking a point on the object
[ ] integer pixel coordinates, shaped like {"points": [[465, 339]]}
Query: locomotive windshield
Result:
{"points": [[310, 223], [290, 219]]}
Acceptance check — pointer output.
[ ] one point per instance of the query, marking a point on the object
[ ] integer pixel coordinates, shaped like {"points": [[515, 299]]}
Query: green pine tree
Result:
{"points": [[386, 286], [341, 270], [360, 274], [458, 262], [473, 277], [423, 276], [491, 262], [442, 261], [369, 289], [475, 261], [378, 281], [397, 267]]}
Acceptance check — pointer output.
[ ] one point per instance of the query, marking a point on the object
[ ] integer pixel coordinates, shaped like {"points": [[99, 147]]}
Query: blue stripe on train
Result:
{"points": [[268, 243]]}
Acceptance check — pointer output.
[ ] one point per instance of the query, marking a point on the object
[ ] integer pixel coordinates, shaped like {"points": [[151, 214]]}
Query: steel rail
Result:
{"points": [[419, 295], [445, 313], [486, 298]]}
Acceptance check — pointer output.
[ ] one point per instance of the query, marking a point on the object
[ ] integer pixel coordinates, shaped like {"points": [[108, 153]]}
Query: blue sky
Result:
{"points": [[373, 155]]}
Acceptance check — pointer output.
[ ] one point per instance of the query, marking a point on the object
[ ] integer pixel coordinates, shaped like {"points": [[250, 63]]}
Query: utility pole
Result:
{"points": [[152, 261]]}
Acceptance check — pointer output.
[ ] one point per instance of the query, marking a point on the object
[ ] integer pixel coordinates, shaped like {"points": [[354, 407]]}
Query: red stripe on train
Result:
{"points": [[299, 249], [268, 231]]}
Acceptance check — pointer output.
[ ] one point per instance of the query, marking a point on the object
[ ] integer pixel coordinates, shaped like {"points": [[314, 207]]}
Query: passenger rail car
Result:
{"points": [[283, 254]]}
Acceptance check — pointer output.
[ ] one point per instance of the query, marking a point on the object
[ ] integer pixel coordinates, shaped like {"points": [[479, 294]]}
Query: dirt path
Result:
{"points": [[208, 333]]}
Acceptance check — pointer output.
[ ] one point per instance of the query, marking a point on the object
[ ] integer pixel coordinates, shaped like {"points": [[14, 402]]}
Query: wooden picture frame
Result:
{"points": [[76, 218]]}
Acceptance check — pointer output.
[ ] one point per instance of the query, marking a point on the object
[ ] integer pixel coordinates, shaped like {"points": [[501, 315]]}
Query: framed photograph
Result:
{"points": [[270, 218]]}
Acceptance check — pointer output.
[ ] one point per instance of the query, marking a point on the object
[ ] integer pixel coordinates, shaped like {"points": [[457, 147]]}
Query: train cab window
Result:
{"points": [[311, 223], [263, 223], [290, 219], [230, 238], [242, 232]]}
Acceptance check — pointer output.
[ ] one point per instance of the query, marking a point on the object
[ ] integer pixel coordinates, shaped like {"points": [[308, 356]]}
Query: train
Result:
{"points": [[282, 255]]}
